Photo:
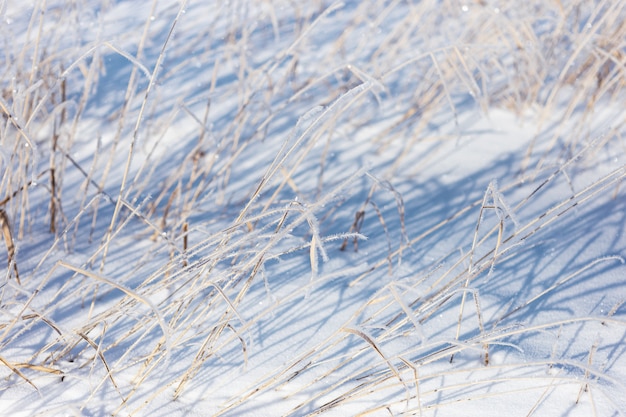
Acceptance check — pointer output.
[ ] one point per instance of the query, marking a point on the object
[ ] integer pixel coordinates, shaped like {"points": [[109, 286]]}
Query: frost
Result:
{"points": [[316, 178]]}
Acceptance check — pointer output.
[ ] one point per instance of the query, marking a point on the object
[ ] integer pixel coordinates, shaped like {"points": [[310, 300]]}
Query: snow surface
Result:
{"points": [[384, 214]]}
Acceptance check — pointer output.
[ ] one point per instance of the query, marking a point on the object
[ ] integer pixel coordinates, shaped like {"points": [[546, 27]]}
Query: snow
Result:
{"points": [[266, 208]]}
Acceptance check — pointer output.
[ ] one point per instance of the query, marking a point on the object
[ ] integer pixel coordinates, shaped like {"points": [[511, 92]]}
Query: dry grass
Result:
{"points": [[153, 177]]}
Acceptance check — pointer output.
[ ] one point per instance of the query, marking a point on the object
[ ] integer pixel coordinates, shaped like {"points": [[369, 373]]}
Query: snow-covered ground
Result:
{"points": [[274, 208]]}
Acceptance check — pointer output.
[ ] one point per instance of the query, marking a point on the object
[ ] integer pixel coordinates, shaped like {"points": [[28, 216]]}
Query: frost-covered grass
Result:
{"points": [[295, 208]]}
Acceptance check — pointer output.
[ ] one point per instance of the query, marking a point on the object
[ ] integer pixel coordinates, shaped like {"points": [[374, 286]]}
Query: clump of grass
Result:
{"points": [[347, 374], [178, 178]]}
